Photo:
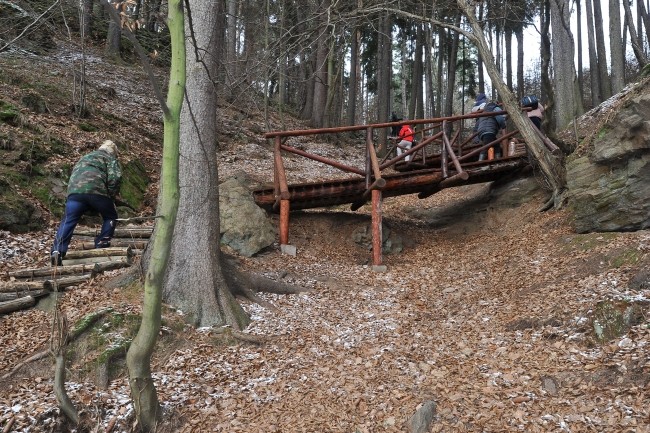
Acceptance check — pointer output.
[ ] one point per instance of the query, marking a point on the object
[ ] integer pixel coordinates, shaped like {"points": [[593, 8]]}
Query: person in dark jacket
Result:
{"points": [[93, 186], [488, 129]]}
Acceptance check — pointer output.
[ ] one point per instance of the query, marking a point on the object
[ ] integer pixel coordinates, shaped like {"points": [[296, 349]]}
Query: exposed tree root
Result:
{"points": [[238, 335], [79, 329], [245, 284]]}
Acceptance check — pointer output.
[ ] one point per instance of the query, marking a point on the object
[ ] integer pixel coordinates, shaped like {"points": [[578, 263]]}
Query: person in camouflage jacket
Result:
{"points": [[93, 186]]}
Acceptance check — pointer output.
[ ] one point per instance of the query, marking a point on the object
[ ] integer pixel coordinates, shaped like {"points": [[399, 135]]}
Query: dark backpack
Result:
{"points": [[530, 102], [490, 107]]}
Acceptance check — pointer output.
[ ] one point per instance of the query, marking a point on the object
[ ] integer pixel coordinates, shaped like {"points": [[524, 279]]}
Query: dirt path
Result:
{"points": [[488, 317]]}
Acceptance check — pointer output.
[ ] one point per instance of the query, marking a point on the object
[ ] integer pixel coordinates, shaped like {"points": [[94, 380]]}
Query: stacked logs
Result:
{"points": [[25, 286]]}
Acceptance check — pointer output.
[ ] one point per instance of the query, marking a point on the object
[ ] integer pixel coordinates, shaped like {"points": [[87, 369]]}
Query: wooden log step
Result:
{"points": [[4, 297], [125, 261], [51, 284], [99, 253], [22, 286], [137, 244], [129, 233], [17, 304], [62, 283], [48, 271]]}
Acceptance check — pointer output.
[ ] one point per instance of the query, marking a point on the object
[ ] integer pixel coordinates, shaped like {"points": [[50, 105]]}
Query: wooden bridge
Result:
{"points": [[444, 155]]}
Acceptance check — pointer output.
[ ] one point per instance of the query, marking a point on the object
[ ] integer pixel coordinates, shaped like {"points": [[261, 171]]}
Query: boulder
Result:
{"points": [[245, 227], [609, 186]]}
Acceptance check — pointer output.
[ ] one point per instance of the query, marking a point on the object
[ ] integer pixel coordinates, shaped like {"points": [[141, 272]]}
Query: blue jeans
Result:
{"points": [[75, 206]]}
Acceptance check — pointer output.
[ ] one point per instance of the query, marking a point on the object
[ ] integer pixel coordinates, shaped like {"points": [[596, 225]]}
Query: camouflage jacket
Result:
{"points": [[98, 172]]}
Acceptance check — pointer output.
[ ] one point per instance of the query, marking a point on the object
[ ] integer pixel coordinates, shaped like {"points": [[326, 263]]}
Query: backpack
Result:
{"points": [[490, 107], [529, 101]]}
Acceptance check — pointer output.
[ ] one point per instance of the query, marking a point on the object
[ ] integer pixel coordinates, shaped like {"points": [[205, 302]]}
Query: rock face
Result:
{"points": [[609, 188], [245, 227]]}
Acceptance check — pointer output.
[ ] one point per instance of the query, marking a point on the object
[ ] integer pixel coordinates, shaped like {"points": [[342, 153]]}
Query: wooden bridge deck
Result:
{"points": [[423, 181]]}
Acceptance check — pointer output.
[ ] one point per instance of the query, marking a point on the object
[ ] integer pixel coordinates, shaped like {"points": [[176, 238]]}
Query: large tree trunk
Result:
{"points": [[113, 37], [568, 103], [138, 357], [616, 51], [194, 282]]}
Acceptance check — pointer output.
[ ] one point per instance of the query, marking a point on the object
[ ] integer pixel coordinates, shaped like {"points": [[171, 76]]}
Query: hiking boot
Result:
{"points": [[56, 258], [103, 244]]}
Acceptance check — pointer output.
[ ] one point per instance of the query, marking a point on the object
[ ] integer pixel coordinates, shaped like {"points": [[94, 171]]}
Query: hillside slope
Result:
{"points": [[489, 311]]}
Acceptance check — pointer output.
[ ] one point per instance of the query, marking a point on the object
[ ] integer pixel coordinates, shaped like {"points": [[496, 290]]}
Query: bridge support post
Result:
{"points": [[377, 259], [284, 222]]}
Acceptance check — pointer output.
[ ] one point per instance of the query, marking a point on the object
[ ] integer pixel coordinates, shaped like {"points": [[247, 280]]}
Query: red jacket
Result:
{"points": [[406, 133]]}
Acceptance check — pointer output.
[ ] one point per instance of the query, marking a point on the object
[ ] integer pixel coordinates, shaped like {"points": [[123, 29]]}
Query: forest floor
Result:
{"points": [[488, 311]]}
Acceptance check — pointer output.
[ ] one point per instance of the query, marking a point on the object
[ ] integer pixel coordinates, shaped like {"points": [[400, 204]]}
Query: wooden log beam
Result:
{"points": [[49, 271], [20, 286], [99, 252], [129, 233], [62, 283], [17, 304], [100, 267], [5, 297], [137, 244]]}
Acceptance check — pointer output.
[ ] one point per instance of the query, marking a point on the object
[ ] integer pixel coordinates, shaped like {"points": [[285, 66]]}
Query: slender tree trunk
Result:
{"points": [[320, 74], [353, 81], [519, 33], [87, 17], [385, 78], [479, 57], [231, 49], [596, 92], [568, 104], [616, 51], [428, 70], [581, 78], [451, 70], [508, 36], [419, 94], [637, 47], [603, 76], [545, 54], [405, 108], [138, 358], [442, 41]]}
